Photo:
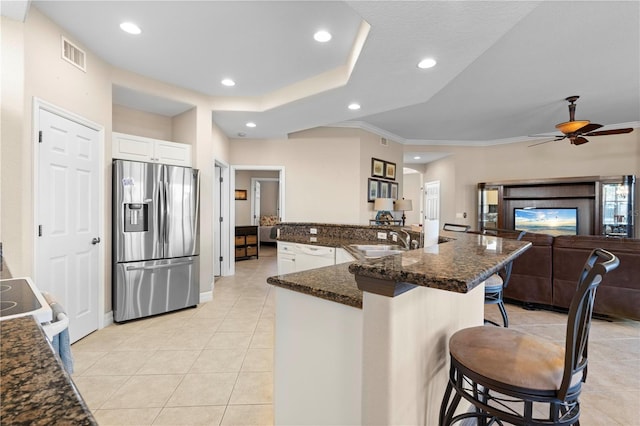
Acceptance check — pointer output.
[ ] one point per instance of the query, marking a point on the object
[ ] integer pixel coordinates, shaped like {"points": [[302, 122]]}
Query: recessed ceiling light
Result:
{"points": [[228, 82], [322, 36], [427, 63], [251, 124], [416, 157], [130, 27], [354, 106]]}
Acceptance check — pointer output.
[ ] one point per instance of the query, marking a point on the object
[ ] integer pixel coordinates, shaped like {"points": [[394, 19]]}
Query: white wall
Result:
{"points": [[326, 171], [322, 182], [412, 190], [142, 123]]}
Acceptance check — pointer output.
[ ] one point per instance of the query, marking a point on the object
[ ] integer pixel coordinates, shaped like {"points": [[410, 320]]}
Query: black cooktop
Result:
{"points": [[16, 297]]}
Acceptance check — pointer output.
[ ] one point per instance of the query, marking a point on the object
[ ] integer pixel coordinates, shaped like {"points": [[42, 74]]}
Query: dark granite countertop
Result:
{"points": [[35, 389], [333, 283], [460, 263]]}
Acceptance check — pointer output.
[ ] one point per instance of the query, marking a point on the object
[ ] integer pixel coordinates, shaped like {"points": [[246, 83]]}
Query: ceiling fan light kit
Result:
{"points": [[571, 126], [576, 129]]}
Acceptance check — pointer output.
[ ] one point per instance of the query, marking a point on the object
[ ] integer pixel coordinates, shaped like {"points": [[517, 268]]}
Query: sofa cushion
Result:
{"points": [[532, 272], [619, 292]]}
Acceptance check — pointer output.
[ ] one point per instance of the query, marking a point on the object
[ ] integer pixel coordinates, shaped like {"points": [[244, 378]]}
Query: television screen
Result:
{"points": [[552, 221]]}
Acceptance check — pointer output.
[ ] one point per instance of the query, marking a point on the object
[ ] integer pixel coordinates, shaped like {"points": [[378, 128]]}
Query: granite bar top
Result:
{"points": [[459, 263], [333, 283], [35, 389]]}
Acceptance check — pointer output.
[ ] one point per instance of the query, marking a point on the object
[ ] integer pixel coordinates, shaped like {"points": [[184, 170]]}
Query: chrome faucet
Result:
{"points": [[405, 242]]}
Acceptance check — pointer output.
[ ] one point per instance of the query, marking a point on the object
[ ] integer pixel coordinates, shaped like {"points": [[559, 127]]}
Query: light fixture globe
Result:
{"points": [[569, 127]]}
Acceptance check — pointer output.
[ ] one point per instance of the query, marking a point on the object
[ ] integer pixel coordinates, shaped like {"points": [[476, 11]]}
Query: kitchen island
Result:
{"points": [[35, 389], [384, 362]]}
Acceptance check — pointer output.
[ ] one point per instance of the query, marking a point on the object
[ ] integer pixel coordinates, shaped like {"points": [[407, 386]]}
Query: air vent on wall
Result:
{"points": [[384, 142], [73, 54]]}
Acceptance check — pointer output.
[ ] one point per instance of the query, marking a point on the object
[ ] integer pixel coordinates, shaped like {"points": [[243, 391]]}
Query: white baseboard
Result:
{"points": [[206, 296], [108, 319]]}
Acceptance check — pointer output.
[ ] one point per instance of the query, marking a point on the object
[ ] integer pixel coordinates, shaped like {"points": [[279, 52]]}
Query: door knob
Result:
{"points": [[95, 241]]}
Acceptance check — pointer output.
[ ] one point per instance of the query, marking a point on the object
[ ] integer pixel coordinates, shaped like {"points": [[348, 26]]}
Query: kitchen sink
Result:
{"points": [[372, 251]]}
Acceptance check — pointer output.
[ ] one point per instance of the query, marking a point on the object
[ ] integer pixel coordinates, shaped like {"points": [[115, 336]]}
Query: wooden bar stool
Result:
{"points": [[504, 372]]}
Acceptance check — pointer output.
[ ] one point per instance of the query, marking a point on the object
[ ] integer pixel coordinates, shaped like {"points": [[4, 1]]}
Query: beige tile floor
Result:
{"points": [[213, 365]]}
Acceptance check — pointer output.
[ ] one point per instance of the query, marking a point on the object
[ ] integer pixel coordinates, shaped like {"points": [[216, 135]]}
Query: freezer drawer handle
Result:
{"points": [[165, 265]]}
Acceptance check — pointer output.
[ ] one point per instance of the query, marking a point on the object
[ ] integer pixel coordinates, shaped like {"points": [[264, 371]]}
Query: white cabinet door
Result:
{"points": [[138, 148], [311, 257], [134, 148], [177, 154], [286, 258]]}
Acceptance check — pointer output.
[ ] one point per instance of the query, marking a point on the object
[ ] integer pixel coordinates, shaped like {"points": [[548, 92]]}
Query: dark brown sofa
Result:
{"points": [[531, 276], [619, 292], [547, 273]]}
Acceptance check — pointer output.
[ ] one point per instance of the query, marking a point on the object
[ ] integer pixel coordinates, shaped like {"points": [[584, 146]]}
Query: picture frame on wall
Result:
{"points": [[378, 167], [390, 170], [384, 190], [241, 194], [394, 191], [372, 192]]}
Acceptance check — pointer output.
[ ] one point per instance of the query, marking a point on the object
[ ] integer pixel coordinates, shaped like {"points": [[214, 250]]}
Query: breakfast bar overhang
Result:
{"points": [[367, 342]]}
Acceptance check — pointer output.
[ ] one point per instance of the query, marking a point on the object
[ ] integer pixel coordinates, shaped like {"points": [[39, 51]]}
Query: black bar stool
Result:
{"points": [[504, 372], [455, 227], [494, 285]]}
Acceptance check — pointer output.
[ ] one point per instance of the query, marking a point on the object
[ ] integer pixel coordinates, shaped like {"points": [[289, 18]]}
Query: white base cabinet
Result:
{"points": [[139, 148], [294, 257]]}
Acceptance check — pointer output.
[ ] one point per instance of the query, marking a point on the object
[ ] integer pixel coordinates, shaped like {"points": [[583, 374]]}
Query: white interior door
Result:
{"points": [[217, 215], [431, 225], [256, 203], [68, 219]]}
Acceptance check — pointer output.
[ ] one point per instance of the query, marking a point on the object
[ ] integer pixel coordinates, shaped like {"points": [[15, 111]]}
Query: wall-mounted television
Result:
{"points": [[548, 220]]}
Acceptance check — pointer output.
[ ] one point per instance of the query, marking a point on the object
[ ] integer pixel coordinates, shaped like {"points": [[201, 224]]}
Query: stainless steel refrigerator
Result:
{"points": [[155, 239]]}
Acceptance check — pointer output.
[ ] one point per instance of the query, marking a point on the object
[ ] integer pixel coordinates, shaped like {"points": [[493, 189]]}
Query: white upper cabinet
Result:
{"points": [[138, 148]]}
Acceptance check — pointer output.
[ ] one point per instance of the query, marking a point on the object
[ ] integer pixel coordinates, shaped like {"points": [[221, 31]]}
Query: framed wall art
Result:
{"points": [[378, 167], [394, 191], [385, 190], [390, 170], [372, 192], [241, 194]]}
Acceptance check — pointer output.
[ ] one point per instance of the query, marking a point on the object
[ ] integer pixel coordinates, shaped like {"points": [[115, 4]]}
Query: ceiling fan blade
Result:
{"points": [[548, 140], [579, 140], [547, 135], [610, 132], [588, 128]]}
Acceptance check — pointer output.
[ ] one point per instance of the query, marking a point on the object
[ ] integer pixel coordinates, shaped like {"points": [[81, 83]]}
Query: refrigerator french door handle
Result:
{"points": [[165, 230], [162, 212], [167, 265]]}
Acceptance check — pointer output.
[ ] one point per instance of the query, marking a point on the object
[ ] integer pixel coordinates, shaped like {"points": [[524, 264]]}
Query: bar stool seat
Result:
{"points": [[510, 358], [504, 372]]}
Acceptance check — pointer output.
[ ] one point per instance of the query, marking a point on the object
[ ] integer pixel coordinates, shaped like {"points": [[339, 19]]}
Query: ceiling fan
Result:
{"points": [[576, 130]]}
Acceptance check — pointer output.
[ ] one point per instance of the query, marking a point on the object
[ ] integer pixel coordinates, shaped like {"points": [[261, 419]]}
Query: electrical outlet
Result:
{"points": [[382, 235], [313, 231], [313, 239], [459, 215], [394, 237]]}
